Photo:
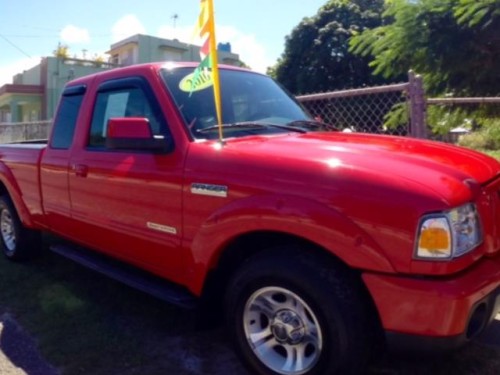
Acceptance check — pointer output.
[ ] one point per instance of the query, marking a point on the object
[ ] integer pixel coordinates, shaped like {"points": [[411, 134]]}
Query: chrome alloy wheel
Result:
{"points": [[282, 331], [8, 231]]}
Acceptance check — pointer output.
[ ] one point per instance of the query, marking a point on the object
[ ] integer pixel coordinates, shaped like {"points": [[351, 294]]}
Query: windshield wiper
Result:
{"points": [[251, 125], [310, 124], [248, 125]]}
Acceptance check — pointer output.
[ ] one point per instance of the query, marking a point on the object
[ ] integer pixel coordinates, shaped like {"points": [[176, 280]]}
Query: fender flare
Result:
{"points": [[8, 180], [287, 214]]}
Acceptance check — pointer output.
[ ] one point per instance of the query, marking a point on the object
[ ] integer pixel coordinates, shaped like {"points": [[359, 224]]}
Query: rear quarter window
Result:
{"points": [[66, 118]]}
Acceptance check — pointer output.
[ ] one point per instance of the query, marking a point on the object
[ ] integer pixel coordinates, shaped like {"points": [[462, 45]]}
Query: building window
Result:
{"points": [[35, 115], [170, 55]]}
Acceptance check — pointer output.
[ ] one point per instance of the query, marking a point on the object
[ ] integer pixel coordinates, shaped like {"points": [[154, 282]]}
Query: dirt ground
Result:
{"points": [[186, 351]]}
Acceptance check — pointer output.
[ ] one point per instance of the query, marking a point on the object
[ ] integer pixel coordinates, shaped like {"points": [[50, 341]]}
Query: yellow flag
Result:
{"points": [[205, 28]]}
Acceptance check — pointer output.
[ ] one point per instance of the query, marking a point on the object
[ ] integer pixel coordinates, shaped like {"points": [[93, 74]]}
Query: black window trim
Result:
{"points": [[142, 83], [76, 90]]}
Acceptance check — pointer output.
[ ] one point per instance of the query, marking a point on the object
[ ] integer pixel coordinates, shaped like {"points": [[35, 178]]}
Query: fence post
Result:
{"points": [[418, 126]]}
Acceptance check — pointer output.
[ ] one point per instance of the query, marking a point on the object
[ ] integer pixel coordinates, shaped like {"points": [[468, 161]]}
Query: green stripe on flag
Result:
{"points": [[204, 65]]}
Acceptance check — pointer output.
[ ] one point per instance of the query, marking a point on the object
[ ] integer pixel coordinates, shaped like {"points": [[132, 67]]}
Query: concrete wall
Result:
{"points": [[31, 76]]}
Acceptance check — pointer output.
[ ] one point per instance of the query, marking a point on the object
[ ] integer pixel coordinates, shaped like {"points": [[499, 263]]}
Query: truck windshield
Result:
{"points": [[251, 104]]}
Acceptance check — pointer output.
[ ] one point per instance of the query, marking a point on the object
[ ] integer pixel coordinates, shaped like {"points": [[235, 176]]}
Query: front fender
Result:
{"points": [[300, 217]]}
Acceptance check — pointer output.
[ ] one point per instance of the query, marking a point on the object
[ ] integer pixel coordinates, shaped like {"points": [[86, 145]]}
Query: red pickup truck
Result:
{"points": [[315, 246]]}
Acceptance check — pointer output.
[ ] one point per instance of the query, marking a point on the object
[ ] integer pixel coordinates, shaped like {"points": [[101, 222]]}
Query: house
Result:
{"points": [[20, 102], [34, 93], [144, 48]]}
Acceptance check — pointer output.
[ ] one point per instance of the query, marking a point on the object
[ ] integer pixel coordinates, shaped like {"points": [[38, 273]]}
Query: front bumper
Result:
{"points": [[447, 311]]}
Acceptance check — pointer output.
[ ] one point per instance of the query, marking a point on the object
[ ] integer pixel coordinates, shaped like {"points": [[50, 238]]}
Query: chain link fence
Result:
{"points": [[391, 109], [359, 110], [403, 109], [469, 122]]}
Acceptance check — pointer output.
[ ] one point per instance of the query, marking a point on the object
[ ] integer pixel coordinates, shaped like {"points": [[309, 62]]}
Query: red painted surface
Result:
{"points": [[129, 128], [21, 89], [432, 307], [359, 197]]}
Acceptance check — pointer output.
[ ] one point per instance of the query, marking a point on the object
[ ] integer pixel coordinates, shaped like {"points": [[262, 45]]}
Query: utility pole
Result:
{"points": [[174, 19]]}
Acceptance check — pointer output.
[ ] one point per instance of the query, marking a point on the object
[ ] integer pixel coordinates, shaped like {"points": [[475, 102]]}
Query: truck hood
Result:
{"points": [[379, 185], [445, 169]]}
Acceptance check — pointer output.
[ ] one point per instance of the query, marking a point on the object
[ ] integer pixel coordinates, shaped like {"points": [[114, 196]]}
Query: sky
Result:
{"points": [[31, 29]]}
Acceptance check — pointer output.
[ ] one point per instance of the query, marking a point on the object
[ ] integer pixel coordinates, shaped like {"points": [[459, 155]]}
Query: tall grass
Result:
{"points": [[486, 139]]}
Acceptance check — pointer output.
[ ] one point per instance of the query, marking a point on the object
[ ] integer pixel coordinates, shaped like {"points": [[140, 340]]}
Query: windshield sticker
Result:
{"points": [[190, 83]]}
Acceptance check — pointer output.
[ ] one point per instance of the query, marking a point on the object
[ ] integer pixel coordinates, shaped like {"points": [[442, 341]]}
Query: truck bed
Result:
{"points": [[21, 161], [30, 142]]}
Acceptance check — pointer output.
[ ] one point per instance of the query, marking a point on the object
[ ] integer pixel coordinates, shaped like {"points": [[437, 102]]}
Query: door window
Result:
{"points": [[124, 100]]}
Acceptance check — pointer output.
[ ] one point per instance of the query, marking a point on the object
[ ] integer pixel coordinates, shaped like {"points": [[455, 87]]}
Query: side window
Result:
{"points": [[127, 101], [67, 115]]}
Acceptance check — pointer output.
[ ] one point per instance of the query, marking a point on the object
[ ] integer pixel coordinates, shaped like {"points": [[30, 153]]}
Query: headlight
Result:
{"points": [[449, 234]]}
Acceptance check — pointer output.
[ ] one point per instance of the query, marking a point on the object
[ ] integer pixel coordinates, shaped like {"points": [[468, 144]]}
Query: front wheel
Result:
{"points": [[18, 242], [291, 313]]}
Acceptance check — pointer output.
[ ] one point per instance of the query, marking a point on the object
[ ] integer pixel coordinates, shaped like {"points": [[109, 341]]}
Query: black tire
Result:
{"points": [[18, 243], [287, 304]]}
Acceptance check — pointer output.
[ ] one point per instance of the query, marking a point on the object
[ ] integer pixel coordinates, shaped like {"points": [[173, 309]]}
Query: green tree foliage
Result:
{"points": [[473, 12], [317, 57], [455, 44]]}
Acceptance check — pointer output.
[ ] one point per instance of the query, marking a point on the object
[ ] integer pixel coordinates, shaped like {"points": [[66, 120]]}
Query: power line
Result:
{"points": [[38, 28], [15, 46], [50, 36], [30, 36]]}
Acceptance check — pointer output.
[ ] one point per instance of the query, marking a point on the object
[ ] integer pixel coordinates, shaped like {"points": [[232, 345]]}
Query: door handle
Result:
{"points": [[81, 170]]}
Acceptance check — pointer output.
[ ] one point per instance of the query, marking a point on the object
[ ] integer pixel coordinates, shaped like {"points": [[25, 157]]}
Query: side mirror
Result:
{"points": [[133, 133]]}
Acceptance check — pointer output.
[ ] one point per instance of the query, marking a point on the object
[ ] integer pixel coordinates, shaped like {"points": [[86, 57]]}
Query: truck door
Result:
{"points": [[128, 202]]}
